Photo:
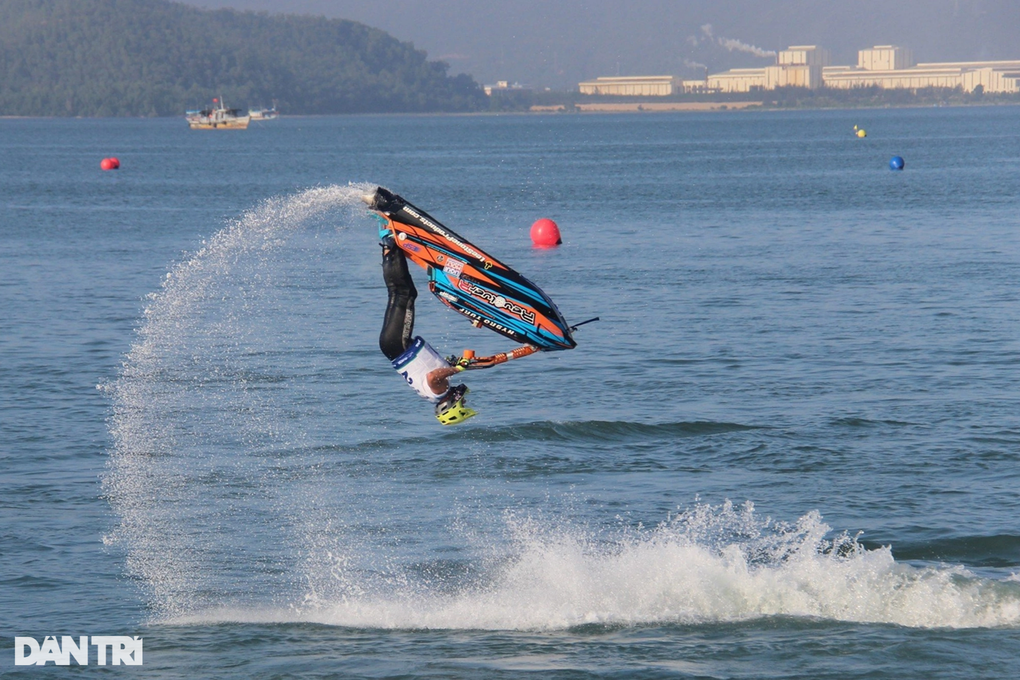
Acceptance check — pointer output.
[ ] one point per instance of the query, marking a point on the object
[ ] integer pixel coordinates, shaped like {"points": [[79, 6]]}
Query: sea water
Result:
{"points": [[789, 448]]}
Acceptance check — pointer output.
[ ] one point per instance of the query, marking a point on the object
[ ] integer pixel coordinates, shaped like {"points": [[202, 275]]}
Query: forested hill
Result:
{"points": [[158, 58]]}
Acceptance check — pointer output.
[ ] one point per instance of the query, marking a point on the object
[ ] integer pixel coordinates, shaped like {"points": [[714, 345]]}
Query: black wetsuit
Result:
{"points": [[398, 323]]}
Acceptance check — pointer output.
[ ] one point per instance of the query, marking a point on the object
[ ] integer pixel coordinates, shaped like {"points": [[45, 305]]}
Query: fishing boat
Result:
{"points": [[217, 117]]}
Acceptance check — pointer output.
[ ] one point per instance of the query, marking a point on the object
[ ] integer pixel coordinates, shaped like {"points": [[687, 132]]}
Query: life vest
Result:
{"points": [[415, 364]]}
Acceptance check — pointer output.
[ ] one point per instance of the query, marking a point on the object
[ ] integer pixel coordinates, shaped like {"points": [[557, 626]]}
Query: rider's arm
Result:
{"points": [[439, 379]]}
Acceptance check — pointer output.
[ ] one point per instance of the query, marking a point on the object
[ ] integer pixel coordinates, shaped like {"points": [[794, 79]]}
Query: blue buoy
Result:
{"points": [[897, 163]]}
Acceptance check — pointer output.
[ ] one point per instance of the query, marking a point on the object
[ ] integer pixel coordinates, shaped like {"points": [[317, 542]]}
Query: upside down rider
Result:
{"points": [[424, 369], [468, 281]]}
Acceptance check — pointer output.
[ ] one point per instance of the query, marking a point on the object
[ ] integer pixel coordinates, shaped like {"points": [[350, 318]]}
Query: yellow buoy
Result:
{"points": [[862, 134]]}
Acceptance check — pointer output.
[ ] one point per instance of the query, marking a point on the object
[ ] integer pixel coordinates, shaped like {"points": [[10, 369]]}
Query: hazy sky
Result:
{"points": [[556, 43]]}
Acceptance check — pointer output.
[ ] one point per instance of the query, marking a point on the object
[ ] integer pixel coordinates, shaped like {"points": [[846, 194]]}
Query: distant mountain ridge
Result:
{"points": [[158, 58], [558, 44]]}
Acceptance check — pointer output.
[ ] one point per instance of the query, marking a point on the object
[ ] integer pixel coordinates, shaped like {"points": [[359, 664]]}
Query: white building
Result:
{"points": [[633, 86], [885, 58], [505, 86], [891, 67], [885, 66], [798, 66]]}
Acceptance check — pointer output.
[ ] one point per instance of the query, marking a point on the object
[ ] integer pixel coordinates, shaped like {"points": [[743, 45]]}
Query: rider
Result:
{"points": [[425, 370]]}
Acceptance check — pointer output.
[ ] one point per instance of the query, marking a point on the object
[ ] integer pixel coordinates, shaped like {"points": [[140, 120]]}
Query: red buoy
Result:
{"points": [[107, 164], [545, 233], [116, 162]]}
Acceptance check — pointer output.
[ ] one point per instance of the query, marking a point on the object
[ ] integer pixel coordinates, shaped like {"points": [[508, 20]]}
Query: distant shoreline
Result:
{"points": [[601, 107], [633, 107], [663, 107]]}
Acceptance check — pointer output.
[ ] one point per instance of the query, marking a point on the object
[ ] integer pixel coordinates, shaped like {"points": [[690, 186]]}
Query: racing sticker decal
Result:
{"points": [[497, 301], [453, 268]]}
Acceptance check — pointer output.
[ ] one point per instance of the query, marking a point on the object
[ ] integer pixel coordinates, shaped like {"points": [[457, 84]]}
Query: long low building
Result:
{"points": [[635, 86], [996, 76]]}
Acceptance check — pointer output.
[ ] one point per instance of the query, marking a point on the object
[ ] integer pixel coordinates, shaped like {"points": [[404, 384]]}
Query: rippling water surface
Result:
{"points": [[789, 448]]}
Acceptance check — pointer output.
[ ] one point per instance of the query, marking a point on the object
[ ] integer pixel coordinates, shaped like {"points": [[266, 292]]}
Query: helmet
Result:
{"points": [[452, 409]]}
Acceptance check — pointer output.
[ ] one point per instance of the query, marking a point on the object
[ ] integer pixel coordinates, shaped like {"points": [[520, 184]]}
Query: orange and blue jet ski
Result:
{"points": [[473, 283]]}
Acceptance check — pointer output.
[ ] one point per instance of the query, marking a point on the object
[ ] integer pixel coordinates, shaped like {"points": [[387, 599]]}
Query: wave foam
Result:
{"points": [[708, 565]]}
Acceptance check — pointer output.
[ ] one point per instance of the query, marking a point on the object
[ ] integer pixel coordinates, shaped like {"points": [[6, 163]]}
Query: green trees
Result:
{"points": [[157, 58]]}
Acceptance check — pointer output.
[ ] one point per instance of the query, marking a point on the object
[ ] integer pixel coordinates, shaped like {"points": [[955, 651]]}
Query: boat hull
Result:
{"points": [[240, 123]]}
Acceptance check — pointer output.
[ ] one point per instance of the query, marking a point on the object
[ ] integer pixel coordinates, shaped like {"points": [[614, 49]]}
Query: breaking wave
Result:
{"points": [[710, 564]]}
